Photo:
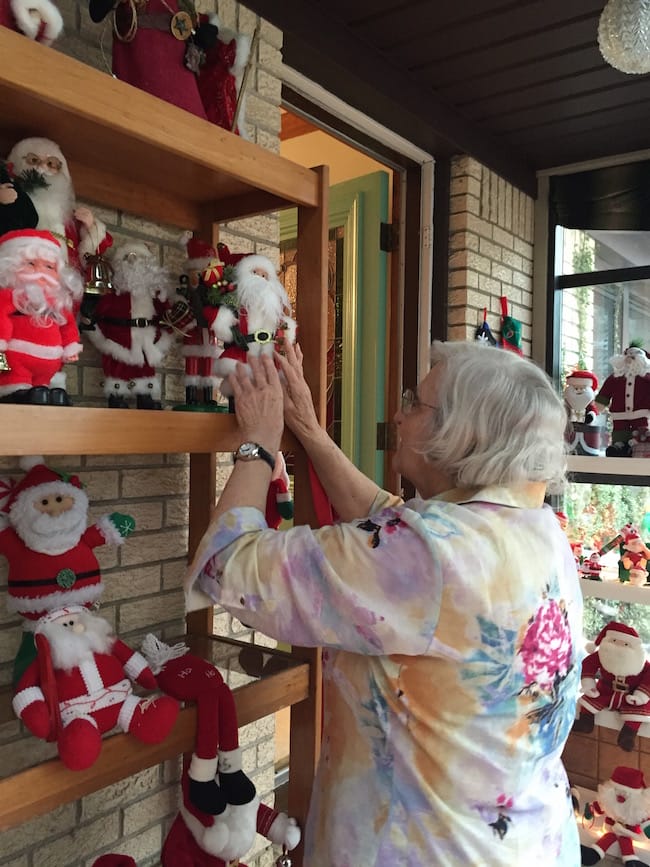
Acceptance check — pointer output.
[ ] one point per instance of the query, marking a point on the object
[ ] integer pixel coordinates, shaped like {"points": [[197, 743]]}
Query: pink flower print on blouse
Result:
{"points": [[546, 649]]}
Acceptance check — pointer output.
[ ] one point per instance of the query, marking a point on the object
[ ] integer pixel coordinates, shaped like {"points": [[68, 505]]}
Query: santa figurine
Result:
{"points": [[80, 686], [131, 328], [625, 395], [624, 801], [263, 322], [585, 431], [17, 210], [39, 20], [209, 296], [616, 676], [634, 557], [591, 568], [220, 76], [38, 330]]}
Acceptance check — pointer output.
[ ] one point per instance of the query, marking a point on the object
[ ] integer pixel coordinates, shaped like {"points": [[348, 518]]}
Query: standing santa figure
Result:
{"points": [[624, 800], [625, 395], [39, 20], [38, 330], [130, 327], [80, 687], [585, 432], [616, 676]]}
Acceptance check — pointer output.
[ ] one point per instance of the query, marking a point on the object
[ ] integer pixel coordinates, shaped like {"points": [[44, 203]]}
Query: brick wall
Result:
{"points": [[491, 251], [143, 577]]}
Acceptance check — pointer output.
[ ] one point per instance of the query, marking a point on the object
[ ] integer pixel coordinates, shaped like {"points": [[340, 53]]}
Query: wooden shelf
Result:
{"points": [[53, 430], [157, 160], [37, 790], [636, 470], [616, 590]]}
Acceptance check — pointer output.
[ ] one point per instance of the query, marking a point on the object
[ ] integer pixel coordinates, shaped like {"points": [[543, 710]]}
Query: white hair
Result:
{"points": [[498, 421]]}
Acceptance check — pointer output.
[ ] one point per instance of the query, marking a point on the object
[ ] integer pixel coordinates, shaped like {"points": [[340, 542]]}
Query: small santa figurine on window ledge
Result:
{"points": [[624, 801]]}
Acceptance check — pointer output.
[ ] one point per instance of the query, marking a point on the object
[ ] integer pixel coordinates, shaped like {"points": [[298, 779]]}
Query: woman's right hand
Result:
{"points": [[299, 412]]}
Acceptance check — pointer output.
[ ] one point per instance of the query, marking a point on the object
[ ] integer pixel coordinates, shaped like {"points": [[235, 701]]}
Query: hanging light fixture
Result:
{"points": [[624, 35]]}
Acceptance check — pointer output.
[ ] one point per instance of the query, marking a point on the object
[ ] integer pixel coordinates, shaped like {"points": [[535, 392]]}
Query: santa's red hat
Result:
{"points": [[620, 628], [631, 778], [39, 476], [19, 240], [199, 250], [229, 258], [582, 377]]}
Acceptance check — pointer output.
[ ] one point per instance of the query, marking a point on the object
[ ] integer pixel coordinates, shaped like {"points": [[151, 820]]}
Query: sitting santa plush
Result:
{"points": [[80, 687], [37, 19], [624, 801]]}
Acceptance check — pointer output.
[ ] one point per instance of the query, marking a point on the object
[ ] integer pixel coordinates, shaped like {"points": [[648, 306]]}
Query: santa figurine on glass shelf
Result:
{"points": [[49, 546], [585, 433], [131, 327], [624, 801], [38, 330], [220, 811], [625, 395], [634, 558], [263, 321], [616, 676], [79, 687], [39, 20], [209, 296]]}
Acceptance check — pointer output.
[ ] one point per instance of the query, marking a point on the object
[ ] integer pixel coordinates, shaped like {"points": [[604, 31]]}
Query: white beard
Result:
{"points": [[69, 649], [624, 365], [29, 297], [47, 535], [54, 203], [632, 811], [622, 661], [578, 401], [143, 278], [263, 300]]}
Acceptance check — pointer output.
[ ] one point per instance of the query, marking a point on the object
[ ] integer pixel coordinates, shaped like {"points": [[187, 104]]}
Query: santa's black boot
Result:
{"points": [[207, 796], [588, 855], [59, 397], [191, 396], [235, 785], [584, 724], [146, 401], [208, 396], [39, 395], [116, 401], [626, 739]]}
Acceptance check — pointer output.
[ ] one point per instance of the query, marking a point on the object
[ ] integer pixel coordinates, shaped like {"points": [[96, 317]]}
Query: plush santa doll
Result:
{"points": [[17, 210], [43, 171], [634, 557], [37, 19], [616, 676], [130, 327], [585, 432], [624, 801], [208, 293], [263, 320], [625, 395], [591, 567], [38, 331], [80, 687], [220, 78]]}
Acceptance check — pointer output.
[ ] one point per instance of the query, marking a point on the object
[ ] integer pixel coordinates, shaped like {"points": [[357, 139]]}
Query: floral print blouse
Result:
{"points": [[451, 634]]}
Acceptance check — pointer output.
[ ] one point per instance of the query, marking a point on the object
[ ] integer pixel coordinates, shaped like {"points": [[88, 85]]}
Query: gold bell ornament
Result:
{"points": [[99, 273]]}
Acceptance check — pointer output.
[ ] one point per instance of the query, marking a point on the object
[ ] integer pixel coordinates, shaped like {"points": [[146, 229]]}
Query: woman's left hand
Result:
{"points": [[259, 402]]}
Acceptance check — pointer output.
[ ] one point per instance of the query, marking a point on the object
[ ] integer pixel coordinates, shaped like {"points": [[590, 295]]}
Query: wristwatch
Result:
{"points": [[254, 452]]}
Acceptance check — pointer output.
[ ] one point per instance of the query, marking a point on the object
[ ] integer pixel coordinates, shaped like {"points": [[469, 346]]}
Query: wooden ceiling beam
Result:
{"points": [[293, 126], [329, 53]]}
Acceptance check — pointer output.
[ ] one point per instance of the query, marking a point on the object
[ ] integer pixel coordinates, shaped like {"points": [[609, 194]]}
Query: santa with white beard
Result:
{"points": [[579, 396], [38, 330], [80, 687], [625, 395], [616, 676], [624, 800], [131, 327], [263, 321]]}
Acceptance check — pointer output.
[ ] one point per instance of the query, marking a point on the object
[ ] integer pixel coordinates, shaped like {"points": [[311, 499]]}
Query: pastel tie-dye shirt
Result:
{"points": [[451, 630]]}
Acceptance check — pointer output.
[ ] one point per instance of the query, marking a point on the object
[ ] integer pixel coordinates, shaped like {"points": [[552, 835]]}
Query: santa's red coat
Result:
{"points": [[628, 399], [613, 689], [73, 241], [130, 351], [217, 85], [40, 582], [154, 60], [34, 353]]}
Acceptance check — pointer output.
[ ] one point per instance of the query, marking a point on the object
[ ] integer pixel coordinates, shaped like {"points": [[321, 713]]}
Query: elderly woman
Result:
{"points": [[453, 621]]}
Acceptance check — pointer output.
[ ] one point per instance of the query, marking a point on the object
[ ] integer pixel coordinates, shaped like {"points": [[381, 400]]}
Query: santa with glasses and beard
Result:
{"points": [[625, 395], [38, 330]]}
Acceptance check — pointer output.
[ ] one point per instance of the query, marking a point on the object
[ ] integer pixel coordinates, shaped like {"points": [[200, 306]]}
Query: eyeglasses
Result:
{"points": [[411, 401]]}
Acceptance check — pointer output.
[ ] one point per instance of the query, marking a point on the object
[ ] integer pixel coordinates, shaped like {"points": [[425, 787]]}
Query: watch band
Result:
{"points": [[253, 452]]}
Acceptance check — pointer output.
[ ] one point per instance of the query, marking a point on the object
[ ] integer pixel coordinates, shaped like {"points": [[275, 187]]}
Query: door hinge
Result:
{"points": [[388, 237], [386, 436]]}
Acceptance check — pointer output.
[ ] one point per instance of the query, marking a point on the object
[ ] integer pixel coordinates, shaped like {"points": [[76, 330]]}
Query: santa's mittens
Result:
{"points": [[284, 831], [37, 719], [206, 796], [124, 524], [147, 679], [79, 744], [153, 719], [235, 785]]}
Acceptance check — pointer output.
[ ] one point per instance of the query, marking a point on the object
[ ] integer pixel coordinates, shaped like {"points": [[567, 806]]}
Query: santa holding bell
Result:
{"points": [[80, 686], [39, 20], [38, 331], [625, 395], [624, 801], [131, 328], [616, 676]]}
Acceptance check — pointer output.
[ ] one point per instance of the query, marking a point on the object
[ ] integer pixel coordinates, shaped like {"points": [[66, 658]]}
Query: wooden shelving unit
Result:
{"points": [[161, 163]]}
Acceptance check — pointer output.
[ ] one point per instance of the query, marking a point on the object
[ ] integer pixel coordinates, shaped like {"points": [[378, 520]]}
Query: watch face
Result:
{"points": [[247, 450]]}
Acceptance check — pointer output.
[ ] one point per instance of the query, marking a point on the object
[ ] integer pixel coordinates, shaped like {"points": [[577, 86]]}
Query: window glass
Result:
{"points": [[580, 251]]}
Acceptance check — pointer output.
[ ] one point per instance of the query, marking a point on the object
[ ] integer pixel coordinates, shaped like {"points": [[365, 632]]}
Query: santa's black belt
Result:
{"points": [[45, 582], [140, 322], [260, 336]]}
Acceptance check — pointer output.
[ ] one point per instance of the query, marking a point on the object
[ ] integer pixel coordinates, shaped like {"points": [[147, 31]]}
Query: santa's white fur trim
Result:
{"points": [[72, 349], [125, 387], [212, 839], [205, 350], [144, 349], [232, 833], [28, 462], [127, 710], [26, 697], [284, 831], [109, 531], [29, 24], [22, 516], [158, 654], [223, 323], [135, 665], [17, 386], [192, 380], [230, 761], [32, 605], [54, 614], [202, 770]]}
